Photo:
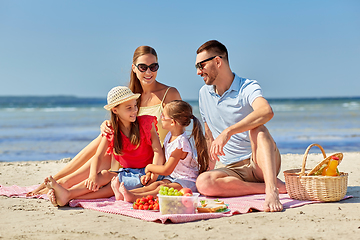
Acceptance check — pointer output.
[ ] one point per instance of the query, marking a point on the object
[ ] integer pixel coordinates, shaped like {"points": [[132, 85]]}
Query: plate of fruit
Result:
{"points": [[146, 203], [173, 201]]}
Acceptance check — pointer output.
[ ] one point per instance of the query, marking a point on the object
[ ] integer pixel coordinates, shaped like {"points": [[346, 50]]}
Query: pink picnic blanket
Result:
{"points": [[237, 205]]}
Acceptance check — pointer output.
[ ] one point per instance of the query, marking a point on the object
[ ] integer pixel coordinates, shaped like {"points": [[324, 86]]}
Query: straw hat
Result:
{"points": [[119, 95]]}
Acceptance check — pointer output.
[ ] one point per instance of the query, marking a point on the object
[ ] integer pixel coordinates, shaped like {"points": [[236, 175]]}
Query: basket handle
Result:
{"points": [[302, 173]]}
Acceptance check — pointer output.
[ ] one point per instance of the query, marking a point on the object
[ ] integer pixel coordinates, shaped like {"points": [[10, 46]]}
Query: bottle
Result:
{"points": [[330, 170]]}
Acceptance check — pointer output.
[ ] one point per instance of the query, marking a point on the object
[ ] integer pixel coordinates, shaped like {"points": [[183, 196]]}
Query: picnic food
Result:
{"points": [[174, 192], [146, 203], [331, 169], [210, 206], [178, 204], [302, 186], [186, 192], [317, 170], [164, 190]]}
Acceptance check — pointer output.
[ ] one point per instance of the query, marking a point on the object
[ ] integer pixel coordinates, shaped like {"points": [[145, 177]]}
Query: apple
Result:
{"points": [[186, 192]]}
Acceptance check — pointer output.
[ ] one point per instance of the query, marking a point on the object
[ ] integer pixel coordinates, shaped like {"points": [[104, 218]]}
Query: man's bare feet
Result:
{"points": [[272, 201], [61, 195], [128, 196], [115, 185]]}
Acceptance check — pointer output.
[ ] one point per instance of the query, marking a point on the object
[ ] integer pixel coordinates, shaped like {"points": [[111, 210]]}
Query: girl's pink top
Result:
{"points": [[131, 156]]}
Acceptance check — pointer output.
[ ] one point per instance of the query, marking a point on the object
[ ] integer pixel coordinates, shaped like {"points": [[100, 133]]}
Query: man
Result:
{"points": [[234, 113]]}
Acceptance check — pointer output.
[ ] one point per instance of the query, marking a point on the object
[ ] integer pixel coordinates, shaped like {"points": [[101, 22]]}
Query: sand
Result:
{"points": [[38, 219]]}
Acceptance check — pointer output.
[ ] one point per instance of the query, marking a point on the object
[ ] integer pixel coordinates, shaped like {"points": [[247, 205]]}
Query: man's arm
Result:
{"points": [[262, 114], [209, 139]]}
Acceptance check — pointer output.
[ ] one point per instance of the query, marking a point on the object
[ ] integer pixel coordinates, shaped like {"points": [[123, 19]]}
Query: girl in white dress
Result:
{"points": [[182, 166]]}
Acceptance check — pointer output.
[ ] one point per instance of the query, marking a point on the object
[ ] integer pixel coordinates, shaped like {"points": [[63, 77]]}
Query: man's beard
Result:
{"points": [[211, 77]]}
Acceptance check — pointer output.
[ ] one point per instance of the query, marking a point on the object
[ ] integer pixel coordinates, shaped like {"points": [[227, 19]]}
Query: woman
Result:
{"points": [[154, 96], [135, 144]]}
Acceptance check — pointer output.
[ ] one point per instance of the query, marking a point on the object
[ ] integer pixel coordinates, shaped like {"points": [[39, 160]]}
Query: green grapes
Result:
{"points": [[169, 191]]}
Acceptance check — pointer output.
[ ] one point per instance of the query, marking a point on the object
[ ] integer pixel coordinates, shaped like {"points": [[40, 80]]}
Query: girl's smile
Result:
{"points": [[127, 111]]}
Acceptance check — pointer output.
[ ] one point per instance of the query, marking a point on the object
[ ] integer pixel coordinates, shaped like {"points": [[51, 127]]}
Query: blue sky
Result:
{"points": [[84, 48]]}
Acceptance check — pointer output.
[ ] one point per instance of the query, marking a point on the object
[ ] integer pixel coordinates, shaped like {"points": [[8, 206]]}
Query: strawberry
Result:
{"points": [[156, 206]]}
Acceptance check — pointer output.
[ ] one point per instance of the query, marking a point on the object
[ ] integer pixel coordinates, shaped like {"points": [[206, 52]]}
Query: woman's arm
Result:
{"points": [[106, 129]]}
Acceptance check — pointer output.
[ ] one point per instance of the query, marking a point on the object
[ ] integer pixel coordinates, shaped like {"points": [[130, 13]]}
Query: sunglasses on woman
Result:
{"points": [[143, 67]]}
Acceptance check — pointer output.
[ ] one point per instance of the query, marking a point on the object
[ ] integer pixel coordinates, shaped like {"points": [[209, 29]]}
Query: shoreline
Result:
{"points": [[38, 219]]}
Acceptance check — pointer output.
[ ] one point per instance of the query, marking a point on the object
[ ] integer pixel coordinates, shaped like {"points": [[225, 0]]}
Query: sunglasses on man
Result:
{"points": [[199, 64], [143, 67]]}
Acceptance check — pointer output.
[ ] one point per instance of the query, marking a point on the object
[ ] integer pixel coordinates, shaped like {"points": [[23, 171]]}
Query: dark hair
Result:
{"points": [[181, 112], [118, 142], [215, 47], [134, 84]]}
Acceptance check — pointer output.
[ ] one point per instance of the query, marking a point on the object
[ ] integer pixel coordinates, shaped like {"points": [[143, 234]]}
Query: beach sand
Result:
{"points": [[38, 219]]}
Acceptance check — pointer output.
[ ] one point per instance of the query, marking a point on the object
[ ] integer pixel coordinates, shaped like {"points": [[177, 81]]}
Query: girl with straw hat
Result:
{"points": [[154, 96], [134, 145]]}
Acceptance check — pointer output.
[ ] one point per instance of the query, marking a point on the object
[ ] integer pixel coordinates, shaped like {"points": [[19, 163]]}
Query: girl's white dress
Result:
{"points": [[187, 168]]}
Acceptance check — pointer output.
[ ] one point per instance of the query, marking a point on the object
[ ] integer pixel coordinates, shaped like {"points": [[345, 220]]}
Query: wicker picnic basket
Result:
{"points": [[300, 185]]}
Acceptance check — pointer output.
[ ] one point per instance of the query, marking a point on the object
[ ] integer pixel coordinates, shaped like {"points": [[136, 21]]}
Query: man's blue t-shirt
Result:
{"points": [[221, 112]]}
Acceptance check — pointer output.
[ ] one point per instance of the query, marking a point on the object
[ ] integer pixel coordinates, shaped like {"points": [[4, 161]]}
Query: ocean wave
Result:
{"points": [[60, 109], [352, 105], [51, 109]]}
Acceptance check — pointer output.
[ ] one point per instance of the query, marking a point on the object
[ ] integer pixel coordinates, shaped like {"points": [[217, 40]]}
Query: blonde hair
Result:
{"points": [[181, 112]]}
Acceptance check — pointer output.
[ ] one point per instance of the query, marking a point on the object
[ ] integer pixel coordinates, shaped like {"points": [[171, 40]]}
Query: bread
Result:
{"points": [[210, 206], [210, 201]]}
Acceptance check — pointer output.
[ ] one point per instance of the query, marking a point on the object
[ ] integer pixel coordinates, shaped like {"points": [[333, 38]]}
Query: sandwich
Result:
{"points": [[211, 206]]}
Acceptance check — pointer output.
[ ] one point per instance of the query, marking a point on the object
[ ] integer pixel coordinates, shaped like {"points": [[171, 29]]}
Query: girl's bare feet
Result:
{"points": [[128, 196], [61, 195], [115, 185], [52, 198], [38, 191]]}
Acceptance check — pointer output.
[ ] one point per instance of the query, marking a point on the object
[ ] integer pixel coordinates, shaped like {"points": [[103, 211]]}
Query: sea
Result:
{"points": [[56, 127]]}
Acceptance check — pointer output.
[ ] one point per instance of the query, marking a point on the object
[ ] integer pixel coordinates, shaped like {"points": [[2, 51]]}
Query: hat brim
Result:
{"points": [[112, 105]]}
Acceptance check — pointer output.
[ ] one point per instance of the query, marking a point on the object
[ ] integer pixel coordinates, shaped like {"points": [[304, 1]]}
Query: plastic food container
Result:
{"points": [[178, 204]]}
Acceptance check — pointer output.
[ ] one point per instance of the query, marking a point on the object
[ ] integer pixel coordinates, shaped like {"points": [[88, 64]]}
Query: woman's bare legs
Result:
{"points": [[77, 162], [103, 192], [60, 196], [83, 173]]}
